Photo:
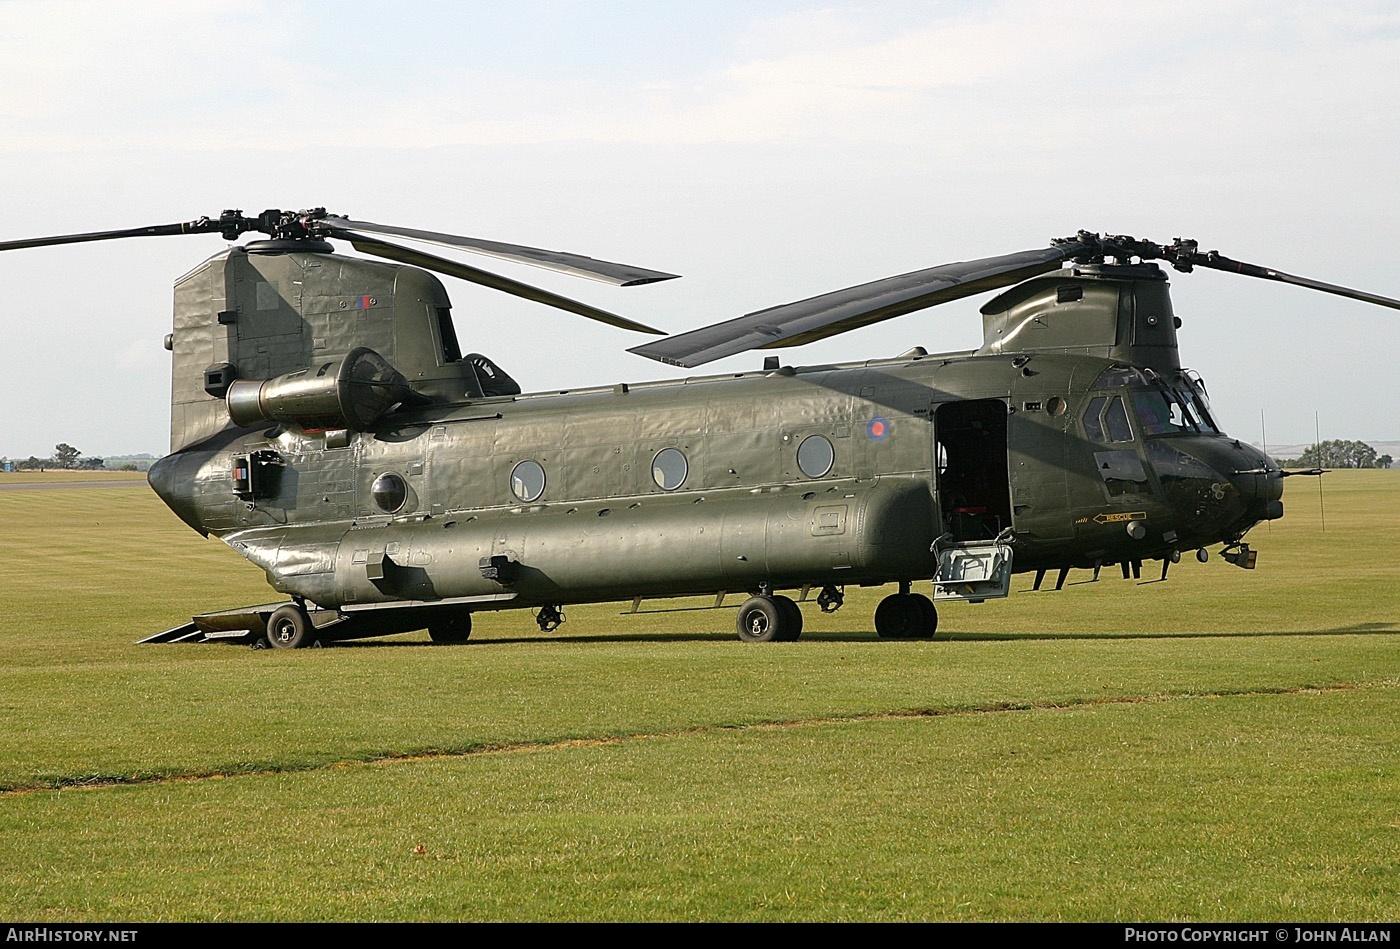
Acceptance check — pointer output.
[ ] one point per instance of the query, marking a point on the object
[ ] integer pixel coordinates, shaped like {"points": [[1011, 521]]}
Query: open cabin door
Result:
{"points": [[973, 492]]}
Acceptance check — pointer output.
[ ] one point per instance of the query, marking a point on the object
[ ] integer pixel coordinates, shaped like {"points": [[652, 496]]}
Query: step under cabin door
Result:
{"points": [[973, 571]]}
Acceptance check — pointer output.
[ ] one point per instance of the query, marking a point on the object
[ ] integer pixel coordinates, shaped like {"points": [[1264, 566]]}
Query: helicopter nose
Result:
{"points": [[1260, 484], [1219, 487], [1261, 493]]}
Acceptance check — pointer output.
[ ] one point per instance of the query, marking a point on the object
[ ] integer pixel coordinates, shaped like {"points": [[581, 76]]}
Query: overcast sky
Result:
{"points": [[766, 150]]}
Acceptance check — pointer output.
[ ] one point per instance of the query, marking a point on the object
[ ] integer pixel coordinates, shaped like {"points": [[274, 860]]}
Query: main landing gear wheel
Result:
{"points": [[769, 619], [451, 630], [906, 616], [290, 628], [792, 618]]}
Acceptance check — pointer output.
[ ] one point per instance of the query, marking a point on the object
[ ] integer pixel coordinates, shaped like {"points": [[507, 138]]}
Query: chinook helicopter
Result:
{"points": [[327, 426]]}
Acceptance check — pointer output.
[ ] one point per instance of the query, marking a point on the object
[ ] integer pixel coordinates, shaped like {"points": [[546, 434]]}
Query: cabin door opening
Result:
{"points": [[970, 458]]}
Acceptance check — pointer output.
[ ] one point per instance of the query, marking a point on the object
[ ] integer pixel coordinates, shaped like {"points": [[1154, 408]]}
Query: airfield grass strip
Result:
{"points": [[103, 781]]}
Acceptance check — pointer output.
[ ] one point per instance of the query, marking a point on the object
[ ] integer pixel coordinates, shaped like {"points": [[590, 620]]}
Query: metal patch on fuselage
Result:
{"points": [[829, 519], [299, 560]]}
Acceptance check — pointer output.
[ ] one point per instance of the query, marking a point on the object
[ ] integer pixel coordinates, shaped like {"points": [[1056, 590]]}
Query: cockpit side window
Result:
{"points": [[1115, 421], [1092, 426], [1106, 420]]}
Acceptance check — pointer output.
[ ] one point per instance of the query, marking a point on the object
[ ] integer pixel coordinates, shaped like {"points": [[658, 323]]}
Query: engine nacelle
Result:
{"points": [[350, 391]]}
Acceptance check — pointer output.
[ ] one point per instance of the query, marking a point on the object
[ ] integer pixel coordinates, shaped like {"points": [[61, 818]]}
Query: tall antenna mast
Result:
{"points": [[1264, 444], [1317, 438]]}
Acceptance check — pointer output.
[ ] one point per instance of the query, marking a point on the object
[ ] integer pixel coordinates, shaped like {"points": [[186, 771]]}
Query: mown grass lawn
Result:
{"points": [[1219, 746]]}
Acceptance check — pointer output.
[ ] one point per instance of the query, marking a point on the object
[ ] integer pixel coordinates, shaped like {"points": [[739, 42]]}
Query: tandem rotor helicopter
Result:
{"points": [[327, 425]]}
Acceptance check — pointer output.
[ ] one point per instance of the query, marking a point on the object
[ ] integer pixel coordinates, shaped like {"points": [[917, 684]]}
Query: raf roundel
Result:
{"points": [[878, 429]]}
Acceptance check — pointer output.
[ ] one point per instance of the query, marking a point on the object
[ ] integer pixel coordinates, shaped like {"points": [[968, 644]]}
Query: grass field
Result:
{"points": [[62, 477], [1222, 746]]}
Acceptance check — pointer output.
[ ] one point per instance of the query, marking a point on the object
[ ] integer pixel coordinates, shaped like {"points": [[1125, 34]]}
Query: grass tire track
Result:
{"points": [[105, 781]]}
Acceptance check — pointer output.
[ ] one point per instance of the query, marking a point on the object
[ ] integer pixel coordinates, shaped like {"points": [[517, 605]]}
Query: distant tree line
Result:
{"points": [[1339, 454], [64, 458]]}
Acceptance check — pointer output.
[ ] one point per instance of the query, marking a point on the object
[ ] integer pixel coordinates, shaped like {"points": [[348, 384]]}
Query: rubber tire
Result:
{"points": [[928, 613], [451, 630], [290, 628], [762, 620], [792, 619], [899, 616]]}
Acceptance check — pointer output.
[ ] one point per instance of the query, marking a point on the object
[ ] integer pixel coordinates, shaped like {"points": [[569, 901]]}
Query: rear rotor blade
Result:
{"points": [[818, 317], [405, 255], [622, 275], [202, 226]]}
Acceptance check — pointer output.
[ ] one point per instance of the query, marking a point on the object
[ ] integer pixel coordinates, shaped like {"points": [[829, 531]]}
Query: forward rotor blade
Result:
{"points": [[1216, 261], [622, 275], [818, 317], [202, 226], [1184, 255], [405, 255]]}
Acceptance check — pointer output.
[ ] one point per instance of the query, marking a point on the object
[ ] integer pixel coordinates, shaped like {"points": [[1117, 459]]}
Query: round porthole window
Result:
{"points": [[668, 469], [815, 456], [389, 492], [527, 481]]}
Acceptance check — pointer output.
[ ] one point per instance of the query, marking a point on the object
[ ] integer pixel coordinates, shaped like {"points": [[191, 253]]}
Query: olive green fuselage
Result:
{"points": [[921, 447]]}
